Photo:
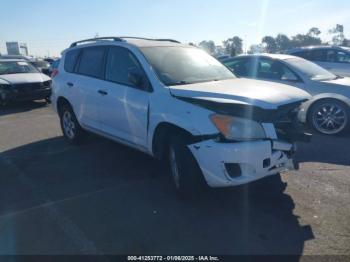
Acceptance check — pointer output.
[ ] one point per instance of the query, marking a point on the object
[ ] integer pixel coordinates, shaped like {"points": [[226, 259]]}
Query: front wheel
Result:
{"points": [[330, 117], [185, 172], [71, 129]]}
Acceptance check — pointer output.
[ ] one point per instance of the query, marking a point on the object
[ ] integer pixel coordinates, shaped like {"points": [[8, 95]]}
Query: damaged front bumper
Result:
{"points": [[231, 164]]}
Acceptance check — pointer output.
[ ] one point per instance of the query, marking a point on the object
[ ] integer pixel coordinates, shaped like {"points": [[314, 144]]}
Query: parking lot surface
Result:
{"points": [[103, 198]]}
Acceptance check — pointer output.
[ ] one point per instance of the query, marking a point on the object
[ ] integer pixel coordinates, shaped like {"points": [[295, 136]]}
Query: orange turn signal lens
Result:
{"points": [[222, 123]]}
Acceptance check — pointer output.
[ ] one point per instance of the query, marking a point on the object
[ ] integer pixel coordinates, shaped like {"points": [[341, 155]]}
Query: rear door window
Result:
{"points": [[92, 62], [331, 56], [273, 70], [318, 55], [71, 60]]}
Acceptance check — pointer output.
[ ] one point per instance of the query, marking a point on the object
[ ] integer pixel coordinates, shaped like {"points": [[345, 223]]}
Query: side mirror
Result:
{"points": [[135, 78], [289, 77]]}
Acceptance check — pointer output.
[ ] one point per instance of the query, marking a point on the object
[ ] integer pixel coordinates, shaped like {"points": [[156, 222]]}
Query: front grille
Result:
{"points": [[31, 87]]}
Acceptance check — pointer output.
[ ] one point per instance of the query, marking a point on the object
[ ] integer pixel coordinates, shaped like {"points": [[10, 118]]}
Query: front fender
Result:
{"points": [[189, 117]]}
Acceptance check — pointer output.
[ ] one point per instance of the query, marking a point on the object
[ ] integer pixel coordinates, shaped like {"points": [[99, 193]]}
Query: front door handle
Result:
{"points": [[102, 92], [70, 84]]}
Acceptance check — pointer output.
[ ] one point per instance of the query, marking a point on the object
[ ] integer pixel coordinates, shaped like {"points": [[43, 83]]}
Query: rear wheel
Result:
{"points": [[330, 117], [185, 172], [71, 129]]}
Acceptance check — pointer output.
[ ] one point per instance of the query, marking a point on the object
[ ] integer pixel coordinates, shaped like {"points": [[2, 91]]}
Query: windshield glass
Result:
{"points": [[185, 65], [41, 64], [16, 67], [313, 71]]}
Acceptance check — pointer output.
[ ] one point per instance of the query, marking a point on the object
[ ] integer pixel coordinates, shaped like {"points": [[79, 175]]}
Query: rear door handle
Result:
{"points": [[70, 84], [102, 92]]}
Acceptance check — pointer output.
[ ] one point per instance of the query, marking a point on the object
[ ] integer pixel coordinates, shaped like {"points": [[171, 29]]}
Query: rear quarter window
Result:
{"points": [[70, 60]]}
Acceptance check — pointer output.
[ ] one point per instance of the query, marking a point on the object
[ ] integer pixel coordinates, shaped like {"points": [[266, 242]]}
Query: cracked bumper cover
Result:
{"points": [[212, 157]]}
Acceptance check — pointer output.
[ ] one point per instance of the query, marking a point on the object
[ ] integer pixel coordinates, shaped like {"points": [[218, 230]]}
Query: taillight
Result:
{"points": [[54, 73]]}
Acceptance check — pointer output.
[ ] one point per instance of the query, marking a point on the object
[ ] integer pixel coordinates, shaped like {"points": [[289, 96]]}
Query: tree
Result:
{"points": [[346, 42], [233, 46], [314, 32], [283, 43], [305, 40], [269, 44], [255, 49], [338, 32], [208, 46]]}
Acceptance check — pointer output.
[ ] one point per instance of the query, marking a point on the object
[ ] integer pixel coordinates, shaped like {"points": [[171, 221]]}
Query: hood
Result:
{"points": [[266, 95], [24, 78], [344, 81]]}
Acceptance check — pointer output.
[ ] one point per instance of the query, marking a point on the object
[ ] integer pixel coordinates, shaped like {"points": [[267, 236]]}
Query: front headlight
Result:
{"points": [[240, 129]]}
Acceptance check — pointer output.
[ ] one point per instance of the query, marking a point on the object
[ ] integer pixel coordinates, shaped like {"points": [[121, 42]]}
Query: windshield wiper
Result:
{"points": [[179, 83]]}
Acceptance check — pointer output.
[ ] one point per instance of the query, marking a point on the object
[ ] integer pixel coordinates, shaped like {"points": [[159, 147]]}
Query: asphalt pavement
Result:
{"points": [[104, 198]]}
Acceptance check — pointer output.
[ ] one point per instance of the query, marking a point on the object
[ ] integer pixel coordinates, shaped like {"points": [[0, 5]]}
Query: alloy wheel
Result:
{"points": [[329, 118], [68, 125]]}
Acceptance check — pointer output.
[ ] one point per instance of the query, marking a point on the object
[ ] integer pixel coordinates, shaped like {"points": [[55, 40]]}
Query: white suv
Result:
{"points": [[176, 102]]}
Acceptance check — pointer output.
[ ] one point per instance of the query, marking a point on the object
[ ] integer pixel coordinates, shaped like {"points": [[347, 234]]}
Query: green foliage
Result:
{"points": [[208, 46], [338, 34], [233, 46], [269, 44], [279, 44]]}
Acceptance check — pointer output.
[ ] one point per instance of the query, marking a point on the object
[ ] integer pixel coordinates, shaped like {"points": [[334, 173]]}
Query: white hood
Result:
{"points": [[345, 81], [24, 78], [266, 95]]}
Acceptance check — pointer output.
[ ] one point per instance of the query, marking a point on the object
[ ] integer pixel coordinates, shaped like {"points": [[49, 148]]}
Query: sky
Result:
{"points": [[49, 26]]}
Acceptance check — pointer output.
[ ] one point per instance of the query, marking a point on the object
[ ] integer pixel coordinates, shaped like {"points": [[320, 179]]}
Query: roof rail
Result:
{"points": [[150, 39], [96, 39], [168, 40]]}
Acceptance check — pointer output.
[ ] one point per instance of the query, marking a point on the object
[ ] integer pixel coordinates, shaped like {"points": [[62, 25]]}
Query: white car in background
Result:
{"points": [[21, 81], [328, 111], [177, 103], [333, 58]]}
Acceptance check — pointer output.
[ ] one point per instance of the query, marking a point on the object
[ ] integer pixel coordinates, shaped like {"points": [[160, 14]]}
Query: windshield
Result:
{"points": [[313, 71], [41, 64], [185, 65], [16, 67]]}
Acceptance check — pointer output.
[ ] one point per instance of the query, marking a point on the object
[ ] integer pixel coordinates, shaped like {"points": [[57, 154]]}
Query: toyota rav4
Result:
{"points": [[178, 104]]}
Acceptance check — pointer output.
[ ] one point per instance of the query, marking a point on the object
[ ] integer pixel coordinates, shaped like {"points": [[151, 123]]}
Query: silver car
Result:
{"points": [[328, 111], [333, 58]]}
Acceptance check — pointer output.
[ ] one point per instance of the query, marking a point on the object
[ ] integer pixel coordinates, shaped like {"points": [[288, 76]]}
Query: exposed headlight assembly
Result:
{"points": [[238, 129]]}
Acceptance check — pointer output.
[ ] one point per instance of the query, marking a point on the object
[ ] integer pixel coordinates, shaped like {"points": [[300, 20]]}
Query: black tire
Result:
{"points": [[70, 126], [189, 178], [314, 117]]}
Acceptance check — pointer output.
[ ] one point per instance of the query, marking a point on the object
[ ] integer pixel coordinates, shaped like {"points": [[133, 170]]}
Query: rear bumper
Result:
{"points": [[252, 160]]}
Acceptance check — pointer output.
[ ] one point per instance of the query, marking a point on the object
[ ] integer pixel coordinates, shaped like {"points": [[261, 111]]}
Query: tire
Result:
{"points": [[183, 167], [329, 117], [70, 126]]}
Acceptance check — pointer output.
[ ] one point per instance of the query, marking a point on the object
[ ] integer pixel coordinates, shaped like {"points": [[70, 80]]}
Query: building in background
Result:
{"points": [[16, 48]]}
